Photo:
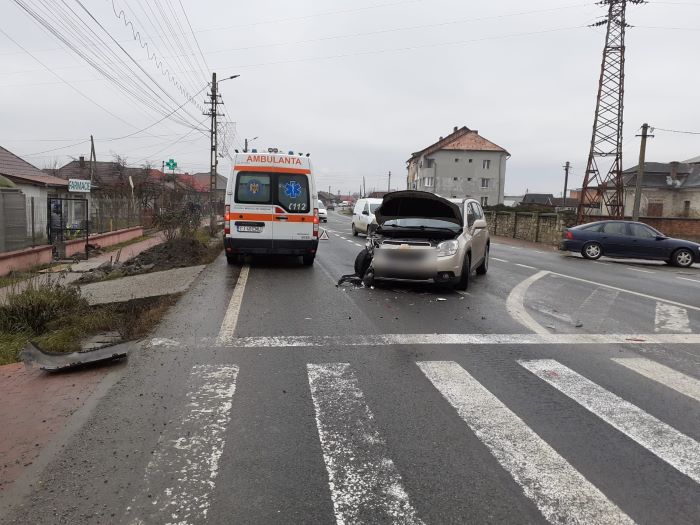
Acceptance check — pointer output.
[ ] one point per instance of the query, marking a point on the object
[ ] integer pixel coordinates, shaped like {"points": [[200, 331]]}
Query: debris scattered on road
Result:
{"points": [[51, 362], [441, 299], [578, 324]]}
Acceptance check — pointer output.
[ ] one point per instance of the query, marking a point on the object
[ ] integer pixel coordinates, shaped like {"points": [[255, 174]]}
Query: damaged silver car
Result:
{"points": [[422, 237]]}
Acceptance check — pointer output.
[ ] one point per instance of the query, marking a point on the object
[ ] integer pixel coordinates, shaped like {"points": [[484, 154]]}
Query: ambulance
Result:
{"points": [[271, 206]]}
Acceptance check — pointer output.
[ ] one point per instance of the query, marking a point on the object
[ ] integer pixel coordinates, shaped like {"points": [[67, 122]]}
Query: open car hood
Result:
{"points": [[412, 204]]}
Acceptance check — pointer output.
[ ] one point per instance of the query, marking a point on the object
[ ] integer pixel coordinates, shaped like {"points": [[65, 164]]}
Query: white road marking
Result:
{"points": [[638, 294], [600, 262], [357, 244], [181, 474], [686, 279], [228, 325], [515, 304], [671, 319], [497, 259], [638, 270], [676, 449], [525, 266], [380, 340], [560, 492], [365, 485], [669, 377]]}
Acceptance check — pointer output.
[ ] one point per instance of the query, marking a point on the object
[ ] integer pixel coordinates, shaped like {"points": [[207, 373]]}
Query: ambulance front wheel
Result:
{"points": [[308, 259]]}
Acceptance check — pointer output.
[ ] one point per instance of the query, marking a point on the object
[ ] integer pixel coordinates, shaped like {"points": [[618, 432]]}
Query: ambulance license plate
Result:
{"points": [[249, 229]]}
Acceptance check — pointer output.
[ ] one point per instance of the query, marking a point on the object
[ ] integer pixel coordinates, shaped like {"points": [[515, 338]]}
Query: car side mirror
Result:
{"points": [[661, 237], [365, 212], [480, 224]]}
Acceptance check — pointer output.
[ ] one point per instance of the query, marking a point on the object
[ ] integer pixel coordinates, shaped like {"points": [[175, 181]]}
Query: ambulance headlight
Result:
{"points": [[447, 248]]}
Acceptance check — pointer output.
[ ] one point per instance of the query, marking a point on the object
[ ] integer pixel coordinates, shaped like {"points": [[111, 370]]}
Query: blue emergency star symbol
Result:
{"points": [[292, 189]]}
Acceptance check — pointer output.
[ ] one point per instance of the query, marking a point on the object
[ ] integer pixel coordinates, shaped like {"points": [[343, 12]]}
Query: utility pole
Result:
{"points": [[364, 187], [640, 171], [567, 166], [93, 159], [605, 188], [388, 189], [213, 156]]}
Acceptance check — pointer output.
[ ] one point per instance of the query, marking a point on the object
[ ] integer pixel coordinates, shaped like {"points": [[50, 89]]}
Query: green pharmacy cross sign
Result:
{"points": [[171, 165]]}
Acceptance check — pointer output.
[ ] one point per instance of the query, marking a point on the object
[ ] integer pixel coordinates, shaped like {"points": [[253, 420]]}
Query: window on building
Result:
{"points": [[484, 201], [428, 182], [686, 208], [485, 183], [655, 209], [486, 164]]}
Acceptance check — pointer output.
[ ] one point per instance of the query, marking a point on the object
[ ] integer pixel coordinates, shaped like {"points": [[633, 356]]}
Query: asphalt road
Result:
{"points": [[554, 390]]}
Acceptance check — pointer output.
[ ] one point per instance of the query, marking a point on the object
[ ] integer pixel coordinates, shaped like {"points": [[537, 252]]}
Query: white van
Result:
{"points": [[270, 207], [363, 214]]}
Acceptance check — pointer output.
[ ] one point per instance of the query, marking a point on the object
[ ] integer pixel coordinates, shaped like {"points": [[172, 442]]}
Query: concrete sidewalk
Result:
{"points": [[76, 270], [153, 284]]}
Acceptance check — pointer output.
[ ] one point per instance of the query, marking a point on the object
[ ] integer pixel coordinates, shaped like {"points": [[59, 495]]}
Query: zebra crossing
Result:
{"points": [[365, 483]]}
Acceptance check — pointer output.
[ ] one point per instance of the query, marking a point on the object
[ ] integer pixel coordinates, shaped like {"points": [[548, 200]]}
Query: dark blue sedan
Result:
{"points": [[629, 239]]}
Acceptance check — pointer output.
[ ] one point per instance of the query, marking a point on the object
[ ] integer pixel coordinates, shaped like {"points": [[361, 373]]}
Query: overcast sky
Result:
{"points": [[360, 84]]}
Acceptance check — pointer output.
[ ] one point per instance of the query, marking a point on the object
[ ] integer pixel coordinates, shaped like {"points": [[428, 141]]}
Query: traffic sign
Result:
{"points": [[324, 236], [171, 165]]}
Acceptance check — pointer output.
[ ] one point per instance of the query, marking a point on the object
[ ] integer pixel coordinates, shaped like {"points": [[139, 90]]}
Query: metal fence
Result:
{"points": [[25, 220], [108, 213]]}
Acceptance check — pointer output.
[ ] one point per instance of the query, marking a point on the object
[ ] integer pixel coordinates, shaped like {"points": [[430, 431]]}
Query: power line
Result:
{"points": [[113, 74], [64, 81], [187, 18], [676, 131]]}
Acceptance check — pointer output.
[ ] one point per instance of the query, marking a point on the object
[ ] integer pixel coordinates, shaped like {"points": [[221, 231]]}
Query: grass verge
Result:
{"points": [[57, 319]]}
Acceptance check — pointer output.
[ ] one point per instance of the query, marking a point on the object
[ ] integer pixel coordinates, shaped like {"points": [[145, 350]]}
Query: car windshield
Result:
{"points": [[421, 222], [373, 207], [320, 204]]}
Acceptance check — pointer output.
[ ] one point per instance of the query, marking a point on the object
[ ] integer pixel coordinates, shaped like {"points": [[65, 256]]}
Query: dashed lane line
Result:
{"points": [[525, 266], [181, 474], [497, 259], [669, 377], [560, 492], [675, 448], [365, 485], [638, 270], [686, 279]]}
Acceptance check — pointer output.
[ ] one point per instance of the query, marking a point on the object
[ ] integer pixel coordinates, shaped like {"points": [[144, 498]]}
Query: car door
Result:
{"points": [[357, 213], [644, 244], [614, 239], [479, 234], [365, 218]]}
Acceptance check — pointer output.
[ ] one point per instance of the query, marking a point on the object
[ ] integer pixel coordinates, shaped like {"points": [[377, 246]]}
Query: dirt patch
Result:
{"points": [[176, 253]]}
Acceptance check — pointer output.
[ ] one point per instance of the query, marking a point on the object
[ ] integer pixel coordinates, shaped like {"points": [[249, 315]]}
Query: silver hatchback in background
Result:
{"points": [[420, 236]]}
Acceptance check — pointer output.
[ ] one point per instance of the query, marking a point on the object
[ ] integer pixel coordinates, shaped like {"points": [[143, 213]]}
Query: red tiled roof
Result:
{"points": [[19, 170], [462, 139]]}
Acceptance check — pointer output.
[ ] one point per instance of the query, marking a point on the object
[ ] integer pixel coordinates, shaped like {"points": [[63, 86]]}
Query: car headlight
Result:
{"points": [[447, 248]]}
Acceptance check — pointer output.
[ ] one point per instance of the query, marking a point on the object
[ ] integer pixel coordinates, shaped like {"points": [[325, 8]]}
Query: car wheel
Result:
{"points": [[683, 258], [463, 282], [354, 230], [484, 266], [308, 259], [592, 250], [362, 262]]}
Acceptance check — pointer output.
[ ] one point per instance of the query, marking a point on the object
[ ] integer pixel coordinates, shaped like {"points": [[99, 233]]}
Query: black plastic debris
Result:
{"points": [[52, 362]]}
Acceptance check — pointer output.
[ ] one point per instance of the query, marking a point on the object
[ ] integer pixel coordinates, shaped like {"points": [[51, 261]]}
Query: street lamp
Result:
{"points": [[245, 149]]}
